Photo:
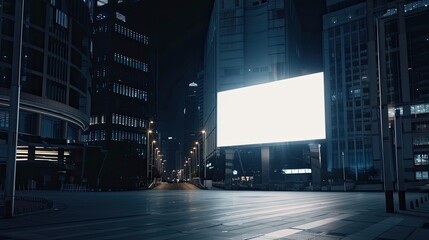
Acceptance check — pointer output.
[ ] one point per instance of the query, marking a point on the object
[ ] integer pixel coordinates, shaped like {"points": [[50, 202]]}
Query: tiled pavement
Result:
{"points": [[220, 215]]}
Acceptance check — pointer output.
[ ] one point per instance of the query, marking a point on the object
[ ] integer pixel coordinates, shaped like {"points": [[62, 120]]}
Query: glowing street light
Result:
{"points": [[149, 131], [204, 155]]}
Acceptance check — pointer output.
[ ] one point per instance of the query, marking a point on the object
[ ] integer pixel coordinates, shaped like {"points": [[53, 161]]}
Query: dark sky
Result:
{"points": [[179, 29]]}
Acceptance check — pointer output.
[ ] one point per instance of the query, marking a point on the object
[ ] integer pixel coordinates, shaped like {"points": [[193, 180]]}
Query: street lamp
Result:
{"points": [[198, 159], [344, 171], [204, 155], [152, 159], [191, 164], [149, 131]]}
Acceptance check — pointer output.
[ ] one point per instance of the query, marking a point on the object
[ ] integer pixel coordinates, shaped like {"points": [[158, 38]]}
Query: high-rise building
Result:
{"points": [[377, 77], [248, 43], [123, 93], [55, 81]]}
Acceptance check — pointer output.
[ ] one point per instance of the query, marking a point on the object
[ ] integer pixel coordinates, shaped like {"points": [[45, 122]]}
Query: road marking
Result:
{"points": [[321, 222], [289, 231], [277, 234]]}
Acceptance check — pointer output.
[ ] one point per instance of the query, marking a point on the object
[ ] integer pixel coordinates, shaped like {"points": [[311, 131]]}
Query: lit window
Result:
{"points": [[102, 2], [120, 16], [421, 159], [61, 18], [422, 175]]}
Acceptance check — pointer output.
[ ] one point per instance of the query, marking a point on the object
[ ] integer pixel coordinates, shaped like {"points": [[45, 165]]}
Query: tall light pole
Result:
{"points": [[198, 159], [204, 155], [14, 100], [152, 160], [344, 171], [149, 131], [191, 164]]}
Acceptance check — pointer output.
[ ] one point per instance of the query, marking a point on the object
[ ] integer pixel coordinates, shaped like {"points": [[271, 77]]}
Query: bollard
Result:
{"points": [[421, 200], [417, 203], [426, 198], [411, 205]]}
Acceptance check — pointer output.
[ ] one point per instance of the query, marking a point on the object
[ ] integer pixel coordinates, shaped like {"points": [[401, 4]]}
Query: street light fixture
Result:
{"points": [[191, 164], [149, 131], [204, 156], [198, 159], [152, 160]]}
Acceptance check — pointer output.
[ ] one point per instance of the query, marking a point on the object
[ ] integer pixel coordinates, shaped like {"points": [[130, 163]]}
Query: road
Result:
{"points": [[175, 186], [218, 215]]}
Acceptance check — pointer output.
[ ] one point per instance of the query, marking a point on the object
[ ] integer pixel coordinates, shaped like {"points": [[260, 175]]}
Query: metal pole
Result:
{"points": [[14, 100], [387, 175], [399, 158], [205, 157], [148, 131], [344, 172]]}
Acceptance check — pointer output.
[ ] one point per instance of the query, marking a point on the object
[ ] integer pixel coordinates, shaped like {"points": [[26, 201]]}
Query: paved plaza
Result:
{"points": [[218, 214]]}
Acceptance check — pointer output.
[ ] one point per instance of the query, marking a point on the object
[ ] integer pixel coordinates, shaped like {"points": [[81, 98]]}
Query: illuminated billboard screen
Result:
{"points": [[287, 110]]}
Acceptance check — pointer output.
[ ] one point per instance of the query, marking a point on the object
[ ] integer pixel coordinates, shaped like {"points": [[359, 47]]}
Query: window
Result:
{"points": [[102, 2], [51, 128], [120, 16], [61, 18], [422, 175], [4, 118], [421, 159]]}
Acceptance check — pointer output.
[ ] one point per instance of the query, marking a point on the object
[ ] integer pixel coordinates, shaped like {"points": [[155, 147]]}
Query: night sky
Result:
{"points": [[179, 29]]}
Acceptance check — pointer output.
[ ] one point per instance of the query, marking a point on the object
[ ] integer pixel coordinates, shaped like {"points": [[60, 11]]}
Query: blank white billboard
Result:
{"points": [[281, 111]]}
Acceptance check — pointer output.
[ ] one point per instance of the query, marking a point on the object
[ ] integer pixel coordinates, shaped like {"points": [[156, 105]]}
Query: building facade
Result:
{"points": [[248, 43], [376, 82], [123, 95], [55, 81]]}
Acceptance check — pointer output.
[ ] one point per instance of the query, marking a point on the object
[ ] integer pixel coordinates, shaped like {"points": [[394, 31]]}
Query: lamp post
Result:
{"points": [[14, 99], [185, 172], [149, 131], [198, 159], [344, 171], [204, 155], [152, 157], [191, 165]]}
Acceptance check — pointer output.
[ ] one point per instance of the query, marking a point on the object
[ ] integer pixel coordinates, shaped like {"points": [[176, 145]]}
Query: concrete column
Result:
{"points": [[316, 162], [399, 161], [229, 166], [265, 166]]}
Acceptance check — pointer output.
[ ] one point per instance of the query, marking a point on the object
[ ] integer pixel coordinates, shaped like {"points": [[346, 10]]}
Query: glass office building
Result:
{"points": [[55, 81], [375, 55]]}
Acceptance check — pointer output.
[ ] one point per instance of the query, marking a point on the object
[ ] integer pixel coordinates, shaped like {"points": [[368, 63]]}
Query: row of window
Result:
{"points": [[422, 175], [421, 141], [100, 73], [97, 119], [420, 108], [97, 135], [61, 18], [407, 7], [127, 120], [129, 91], [414, 109], [119, 135], [130, 62], [131, 34]]}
